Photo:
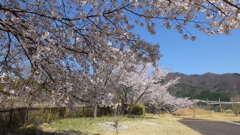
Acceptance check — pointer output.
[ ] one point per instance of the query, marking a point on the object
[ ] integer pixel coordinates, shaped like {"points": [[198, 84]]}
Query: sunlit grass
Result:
{"points": [[217, 117], [165, 125], [207, 115]]}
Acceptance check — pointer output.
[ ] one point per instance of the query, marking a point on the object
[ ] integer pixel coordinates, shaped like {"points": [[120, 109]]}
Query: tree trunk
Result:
{"points": [[10, 122], [95, 110]]}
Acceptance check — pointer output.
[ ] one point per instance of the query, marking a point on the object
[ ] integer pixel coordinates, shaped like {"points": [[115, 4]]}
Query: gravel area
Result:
{"points": [[111, 126], [150, 123]]}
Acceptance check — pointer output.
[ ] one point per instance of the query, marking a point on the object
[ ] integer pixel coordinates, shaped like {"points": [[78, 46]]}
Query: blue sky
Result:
{"points": [[216, 53]]}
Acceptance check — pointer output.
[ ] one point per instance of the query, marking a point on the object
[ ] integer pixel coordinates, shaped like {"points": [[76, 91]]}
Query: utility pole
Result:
{"points": [[232, 105], [220, 106], [208, 107], [194, 110]]}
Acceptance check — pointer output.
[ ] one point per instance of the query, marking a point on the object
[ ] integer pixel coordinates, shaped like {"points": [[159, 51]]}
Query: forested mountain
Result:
{"points": [[209, 85]]}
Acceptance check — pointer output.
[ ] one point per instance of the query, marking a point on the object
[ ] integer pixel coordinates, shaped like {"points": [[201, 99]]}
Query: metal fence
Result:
{"points": [[219, 106]]}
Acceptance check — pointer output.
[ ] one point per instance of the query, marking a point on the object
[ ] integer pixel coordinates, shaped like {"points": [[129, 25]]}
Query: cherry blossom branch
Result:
{"points": [[9, 48], [216, 8], [231, 4]]}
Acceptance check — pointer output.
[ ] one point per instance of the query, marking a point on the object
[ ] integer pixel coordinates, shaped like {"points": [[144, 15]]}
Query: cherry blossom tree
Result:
{"points": [[135, 84], [161, 100], [147, 84], [54, 43], [101, 86]]}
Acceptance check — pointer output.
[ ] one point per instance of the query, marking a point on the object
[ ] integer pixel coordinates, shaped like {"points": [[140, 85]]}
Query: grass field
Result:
{"points": [[144, 125], [149, 124], [203, 114], [216, 117]]}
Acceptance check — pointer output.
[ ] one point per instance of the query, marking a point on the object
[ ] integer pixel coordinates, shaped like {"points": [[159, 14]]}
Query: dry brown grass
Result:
{"points": [[165, 125], [190, 112], [203, 114]]}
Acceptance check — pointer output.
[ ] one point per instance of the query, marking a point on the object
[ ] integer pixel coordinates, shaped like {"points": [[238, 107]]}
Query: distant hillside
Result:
{"points": [[211, 86]]}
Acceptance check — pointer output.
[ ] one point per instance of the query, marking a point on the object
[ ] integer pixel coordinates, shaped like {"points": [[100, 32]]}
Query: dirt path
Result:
{"points": [[212, 127]]}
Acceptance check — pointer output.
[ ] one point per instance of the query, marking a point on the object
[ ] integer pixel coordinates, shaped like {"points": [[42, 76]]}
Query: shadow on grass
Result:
{"points": [[36, 131], [141, 117], [147, 117]]}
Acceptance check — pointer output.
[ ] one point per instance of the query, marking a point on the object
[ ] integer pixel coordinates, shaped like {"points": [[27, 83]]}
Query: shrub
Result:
{"points": [[76, 112], [137, 109], [60, 110], [105, 111], [41, 116]]}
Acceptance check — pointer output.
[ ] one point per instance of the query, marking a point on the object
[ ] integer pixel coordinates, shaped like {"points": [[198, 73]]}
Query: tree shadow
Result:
{"points": [[149, 117], [140, 117], [36, 131]]}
